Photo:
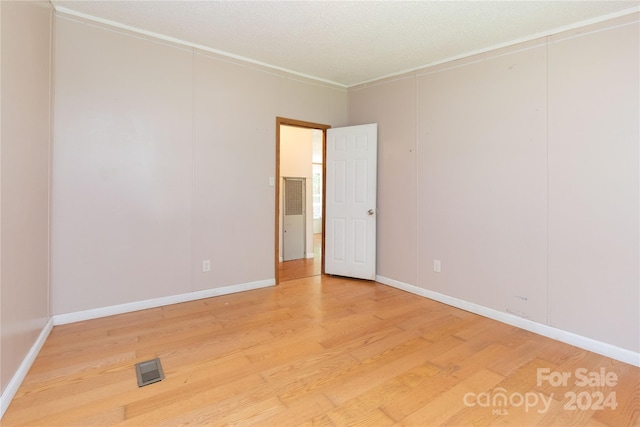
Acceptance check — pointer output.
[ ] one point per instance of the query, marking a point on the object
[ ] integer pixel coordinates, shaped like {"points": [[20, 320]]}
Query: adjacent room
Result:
{"points": [[319, 213]]}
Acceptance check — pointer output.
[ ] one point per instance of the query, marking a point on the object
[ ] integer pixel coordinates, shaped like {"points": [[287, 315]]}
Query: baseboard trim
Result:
{"points": [[78, 316], [580, 341], [62, 319], [23, 369]]}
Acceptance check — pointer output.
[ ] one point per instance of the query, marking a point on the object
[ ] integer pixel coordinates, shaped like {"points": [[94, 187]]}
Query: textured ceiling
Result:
{"points": [[348, 42]]}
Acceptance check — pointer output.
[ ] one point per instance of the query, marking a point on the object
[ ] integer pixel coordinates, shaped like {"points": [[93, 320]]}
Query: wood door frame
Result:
{"points": [[306, 125]]}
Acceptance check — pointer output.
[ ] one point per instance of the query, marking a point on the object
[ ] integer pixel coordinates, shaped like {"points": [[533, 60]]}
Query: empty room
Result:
{"points": [[277, 213]]}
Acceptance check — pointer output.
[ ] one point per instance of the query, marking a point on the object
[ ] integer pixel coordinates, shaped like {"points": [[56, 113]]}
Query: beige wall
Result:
{"points": [[162, 159], [481, 182], [393, 106], [25, 142], [519, 170], [594, 284]]}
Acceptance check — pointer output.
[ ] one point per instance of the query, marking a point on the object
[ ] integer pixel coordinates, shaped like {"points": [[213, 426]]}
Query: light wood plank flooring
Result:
{"points": [[305, 267], [316, 351]]}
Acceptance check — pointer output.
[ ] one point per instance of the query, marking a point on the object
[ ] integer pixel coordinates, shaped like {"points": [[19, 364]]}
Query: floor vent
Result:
{"points": [[149, 372]]}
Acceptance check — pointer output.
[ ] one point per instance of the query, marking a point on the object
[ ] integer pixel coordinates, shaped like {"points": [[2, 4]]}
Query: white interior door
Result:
{"points": [[350, 235]]}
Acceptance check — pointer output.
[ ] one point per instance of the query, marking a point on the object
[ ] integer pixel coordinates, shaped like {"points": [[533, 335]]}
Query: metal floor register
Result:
{"points": [[149, 372]]}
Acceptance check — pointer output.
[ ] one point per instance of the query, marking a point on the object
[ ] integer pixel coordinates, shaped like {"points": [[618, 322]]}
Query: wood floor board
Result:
{"points": [[559, 415], [397, 310], [466, 367], [312, 379], [377, 365], [521, 378], [513, 359], [373, 397], [481, 326], [417, 319], [99, 326], [253, 413], [245, 411], [357, 338], [167, 326], [299, 412], [422, 391], [300, 323], [214, 369], [202, 307], [77, 354], [372, 349], [579, 360], [627, 387], [444, 326], [318, 350], [515, 416], [284, 348], [472, 416], [210, 397], [179, 331], [43, 378], [67, 407], [67, 342], [345, 331], [557, 353], [448, 403], [375, 417], [221, 342], [377, 372]]}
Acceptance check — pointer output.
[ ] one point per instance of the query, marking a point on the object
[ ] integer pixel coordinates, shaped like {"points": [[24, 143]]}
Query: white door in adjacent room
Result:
{"points": [[294, 227]]}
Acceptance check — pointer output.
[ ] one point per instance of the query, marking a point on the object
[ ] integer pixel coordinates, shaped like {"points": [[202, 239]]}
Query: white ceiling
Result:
{"points": [[348, 42]]}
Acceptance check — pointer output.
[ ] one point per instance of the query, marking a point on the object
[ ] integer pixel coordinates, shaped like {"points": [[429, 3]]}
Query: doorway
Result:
{"points": [[313, 261]]}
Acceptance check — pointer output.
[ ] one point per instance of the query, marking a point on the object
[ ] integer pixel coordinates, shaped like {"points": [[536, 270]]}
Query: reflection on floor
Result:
{"points": [[306, 267]]}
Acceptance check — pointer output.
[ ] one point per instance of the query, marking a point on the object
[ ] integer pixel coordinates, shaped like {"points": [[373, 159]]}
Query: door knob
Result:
{"points": [[370, 212]]}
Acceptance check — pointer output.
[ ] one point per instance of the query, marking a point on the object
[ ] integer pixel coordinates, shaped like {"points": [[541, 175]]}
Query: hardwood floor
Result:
{"points": [[305, 267], [317, 351]]}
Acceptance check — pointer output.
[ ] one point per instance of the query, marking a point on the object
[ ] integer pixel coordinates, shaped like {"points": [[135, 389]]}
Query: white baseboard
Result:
{"points": [[583, 342], [586, 343], [61, 319], [21, 372], [310, 255], [78, 316]]}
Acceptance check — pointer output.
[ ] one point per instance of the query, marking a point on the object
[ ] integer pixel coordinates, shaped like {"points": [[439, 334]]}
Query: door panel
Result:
{"points": [[351, 157]]}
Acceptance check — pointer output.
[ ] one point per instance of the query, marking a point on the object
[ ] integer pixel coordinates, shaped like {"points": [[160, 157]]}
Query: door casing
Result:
{"points": [[307, 125]]}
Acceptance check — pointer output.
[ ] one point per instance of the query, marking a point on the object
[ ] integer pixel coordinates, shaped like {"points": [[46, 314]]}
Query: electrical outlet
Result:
{"points": [[436, 266], [206, 265]]}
